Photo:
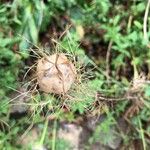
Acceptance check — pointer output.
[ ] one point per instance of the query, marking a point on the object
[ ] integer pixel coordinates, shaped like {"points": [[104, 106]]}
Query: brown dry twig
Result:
{"points": [[108, 60]]}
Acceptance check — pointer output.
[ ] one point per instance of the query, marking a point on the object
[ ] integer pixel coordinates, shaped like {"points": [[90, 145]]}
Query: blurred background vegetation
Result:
{"points": [[107, 34]]}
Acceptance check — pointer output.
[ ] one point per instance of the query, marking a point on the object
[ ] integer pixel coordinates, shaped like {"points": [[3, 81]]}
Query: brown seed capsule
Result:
{"points": [[55, 73]]}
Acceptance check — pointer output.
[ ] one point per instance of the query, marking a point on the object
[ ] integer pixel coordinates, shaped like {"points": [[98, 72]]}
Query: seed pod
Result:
{"points": [[55, 73]]}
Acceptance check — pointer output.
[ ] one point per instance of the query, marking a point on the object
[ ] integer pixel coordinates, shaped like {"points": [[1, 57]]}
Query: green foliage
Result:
{"points": [[91, 12], [9, 60], [28, 16], [103, 132], [62, 144]]}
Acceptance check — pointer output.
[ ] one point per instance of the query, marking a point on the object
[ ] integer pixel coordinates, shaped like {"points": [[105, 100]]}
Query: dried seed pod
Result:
{"points": [[55, 73]]}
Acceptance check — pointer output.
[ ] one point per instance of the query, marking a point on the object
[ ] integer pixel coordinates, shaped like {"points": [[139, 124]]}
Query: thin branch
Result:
{"points": [[108, 60], [145, 21]]}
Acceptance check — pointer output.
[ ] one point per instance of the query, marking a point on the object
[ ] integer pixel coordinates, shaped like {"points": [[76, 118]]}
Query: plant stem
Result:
{"points": [[44, 132], [142, 135], [54, 135], [145, 21]]}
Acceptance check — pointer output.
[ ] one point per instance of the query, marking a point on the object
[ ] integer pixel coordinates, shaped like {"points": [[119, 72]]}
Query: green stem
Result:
{"points": [[142, 135], [44, 132], [54, 135]]}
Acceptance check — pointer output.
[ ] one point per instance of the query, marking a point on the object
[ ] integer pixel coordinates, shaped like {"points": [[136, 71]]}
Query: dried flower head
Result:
{"points": [[55, 73]]}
